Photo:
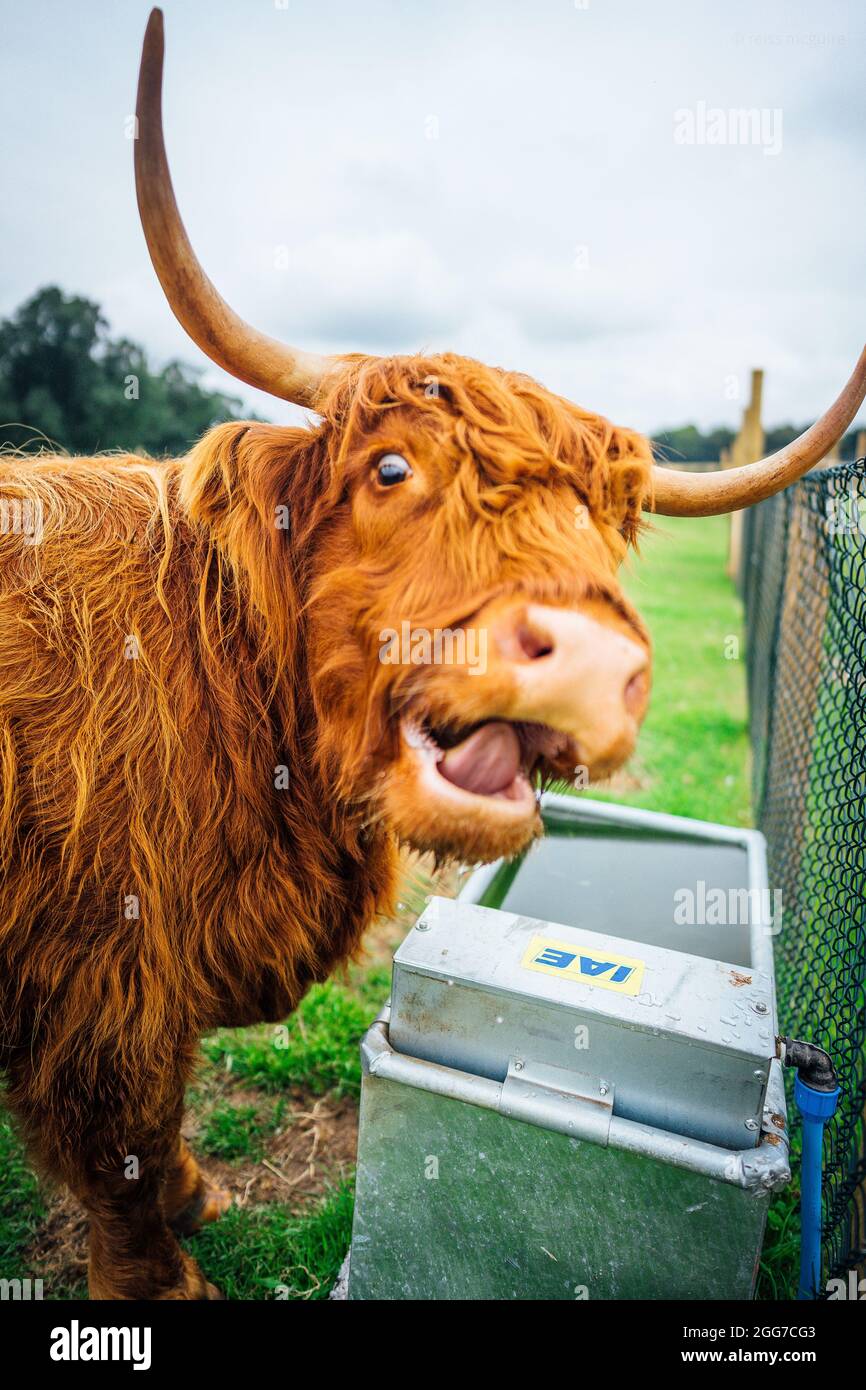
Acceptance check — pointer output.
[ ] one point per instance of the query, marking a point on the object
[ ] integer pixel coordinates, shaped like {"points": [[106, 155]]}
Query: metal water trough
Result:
{"points": [[574, 1094]]}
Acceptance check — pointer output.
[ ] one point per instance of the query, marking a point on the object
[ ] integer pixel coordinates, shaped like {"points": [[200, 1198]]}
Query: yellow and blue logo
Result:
{"points": [[603, 970]]}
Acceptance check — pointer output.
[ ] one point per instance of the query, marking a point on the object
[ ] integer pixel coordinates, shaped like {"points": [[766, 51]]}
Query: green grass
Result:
{"points": [[238, 1132], [21, 1205], [265, 1252], [693, 753], [317, 1047]]}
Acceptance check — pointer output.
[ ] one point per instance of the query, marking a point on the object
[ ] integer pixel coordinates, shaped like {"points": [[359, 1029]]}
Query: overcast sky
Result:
{"points": [[525, 181]]}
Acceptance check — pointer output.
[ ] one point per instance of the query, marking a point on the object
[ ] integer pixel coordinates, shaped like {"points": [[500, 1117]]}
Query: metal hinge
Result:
{"points": [[567, 1101]]}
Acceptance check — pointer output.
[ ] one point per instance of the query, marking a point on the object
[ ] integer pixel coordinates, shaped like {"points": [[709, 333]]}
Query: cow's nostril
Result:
{"points": [[533, 642], [635, 692]]}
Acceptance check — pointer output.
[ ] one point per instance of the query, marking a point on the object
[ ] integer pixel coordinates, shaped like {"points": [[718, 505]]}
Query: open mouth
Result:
{"points": [[497, 759]]}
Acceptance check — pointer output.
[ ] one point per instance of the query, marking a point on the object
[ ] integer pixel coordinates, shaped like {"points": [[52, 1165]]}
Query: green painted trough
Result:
{"points": [[574, 1092]]}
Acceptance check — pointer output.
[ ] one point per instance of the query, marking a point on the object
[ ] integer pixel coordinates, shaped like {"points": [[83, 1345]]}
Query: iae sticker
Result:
{"points": [[603, 969]]}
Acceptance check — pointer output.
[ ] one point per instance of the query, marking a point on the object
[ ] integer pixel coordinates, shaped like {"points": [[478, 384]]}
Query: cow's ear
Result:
{"points": [[210, 476], [249, 487], [244, 474], [628, 481]]}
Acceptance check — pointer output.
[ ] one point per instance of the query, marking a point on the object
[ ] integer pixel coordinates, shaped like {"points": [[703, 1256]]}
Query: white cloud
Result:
{"points": [[310, 128]]}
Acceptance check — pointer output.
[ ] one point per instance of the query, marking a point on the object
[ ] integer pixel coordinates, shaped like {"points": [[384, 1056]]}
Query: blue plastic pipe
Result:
{"points": [[816, 1107]]}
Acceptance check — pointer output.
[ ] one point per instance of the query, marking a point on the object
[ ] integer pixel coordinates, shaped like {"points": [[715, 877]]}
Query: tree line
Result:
{"points": [[66, 382], [688, 444]]}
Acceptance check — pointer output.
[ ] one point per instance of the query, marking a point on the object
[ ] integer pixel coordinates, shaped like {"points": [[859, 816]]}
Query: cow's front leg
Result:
{"points": [[133, 1252], [190, 1200], [117, 1157]]}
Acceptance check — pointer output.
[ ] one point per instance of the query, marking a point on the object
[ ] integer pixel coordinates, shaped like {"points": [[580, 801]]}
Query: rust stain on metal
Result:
{"points": [[778, 1121], [738, 979], [772, 1138]]}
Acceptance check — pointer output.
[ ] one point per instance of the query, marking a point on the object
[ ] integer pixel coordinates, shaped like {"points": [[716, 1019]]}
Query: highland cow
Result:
{"points": [[207, 766]]}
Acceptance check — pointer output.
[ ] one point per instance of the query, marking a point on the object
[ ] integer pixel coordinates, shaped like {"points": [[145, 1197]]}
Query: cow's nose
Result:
{"points": [[574, 672]]}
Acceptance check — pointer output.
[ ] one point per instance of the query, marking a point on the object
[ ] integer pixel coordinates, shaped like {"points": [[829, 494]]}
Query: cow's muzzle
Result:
{"points": [[551, 694], [577, 672]]}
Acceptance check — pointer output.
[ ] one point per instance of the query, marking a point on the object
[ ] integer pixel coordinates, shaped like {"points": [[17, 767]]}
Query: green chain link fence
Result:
{"points": [[803, 583]]}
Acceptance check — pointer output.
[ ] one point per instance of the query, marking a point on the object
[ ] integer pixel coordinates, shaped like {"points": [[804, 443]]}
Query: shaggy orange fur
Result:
{"points": [[195, 732]]}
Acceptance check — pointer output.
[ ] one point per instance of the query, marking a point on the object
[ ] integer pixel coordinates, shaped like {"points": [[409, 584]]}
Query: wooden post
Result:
{"points": [[747, 448]]}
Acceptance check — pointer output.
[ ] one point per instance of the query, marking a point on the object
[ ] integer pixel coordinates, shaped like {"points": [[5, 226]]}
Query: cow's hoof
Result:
{"points": [[191, 1286], [194, 1286], [208, 1205]]}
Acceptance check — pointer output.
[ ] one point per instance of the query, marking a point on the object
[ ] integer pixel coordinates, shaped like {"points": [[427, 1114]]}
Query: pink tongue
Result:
{"points": [[486, 762]]}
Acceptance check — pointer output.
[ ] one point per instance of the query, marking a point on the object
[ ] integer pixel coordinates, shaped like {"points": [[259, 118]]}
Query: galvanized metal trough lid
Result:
{"points": [[668, 1039]]}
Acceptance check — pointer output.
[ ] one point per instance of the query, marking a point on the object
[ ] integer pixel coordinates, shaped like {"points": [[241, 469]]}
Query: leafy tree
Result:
{"points": [[64, 377], [783, 434], [688, 444]]}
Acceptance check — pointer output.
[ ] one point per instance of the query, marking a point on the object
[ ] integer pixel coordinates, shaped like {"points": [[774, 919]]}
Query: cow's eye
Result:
{"points": [[391, 469]]}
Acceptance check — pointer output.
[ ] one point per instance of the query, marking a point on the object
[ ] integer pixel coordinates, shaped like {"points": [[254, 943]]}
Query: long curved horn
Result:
{"points": [[219, 332], [708, 494]]}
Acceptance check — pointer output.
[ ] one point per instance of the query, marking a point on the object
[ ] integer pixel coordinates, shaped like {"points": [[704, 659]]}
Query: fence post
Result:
{"points": [[746, 448]]}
